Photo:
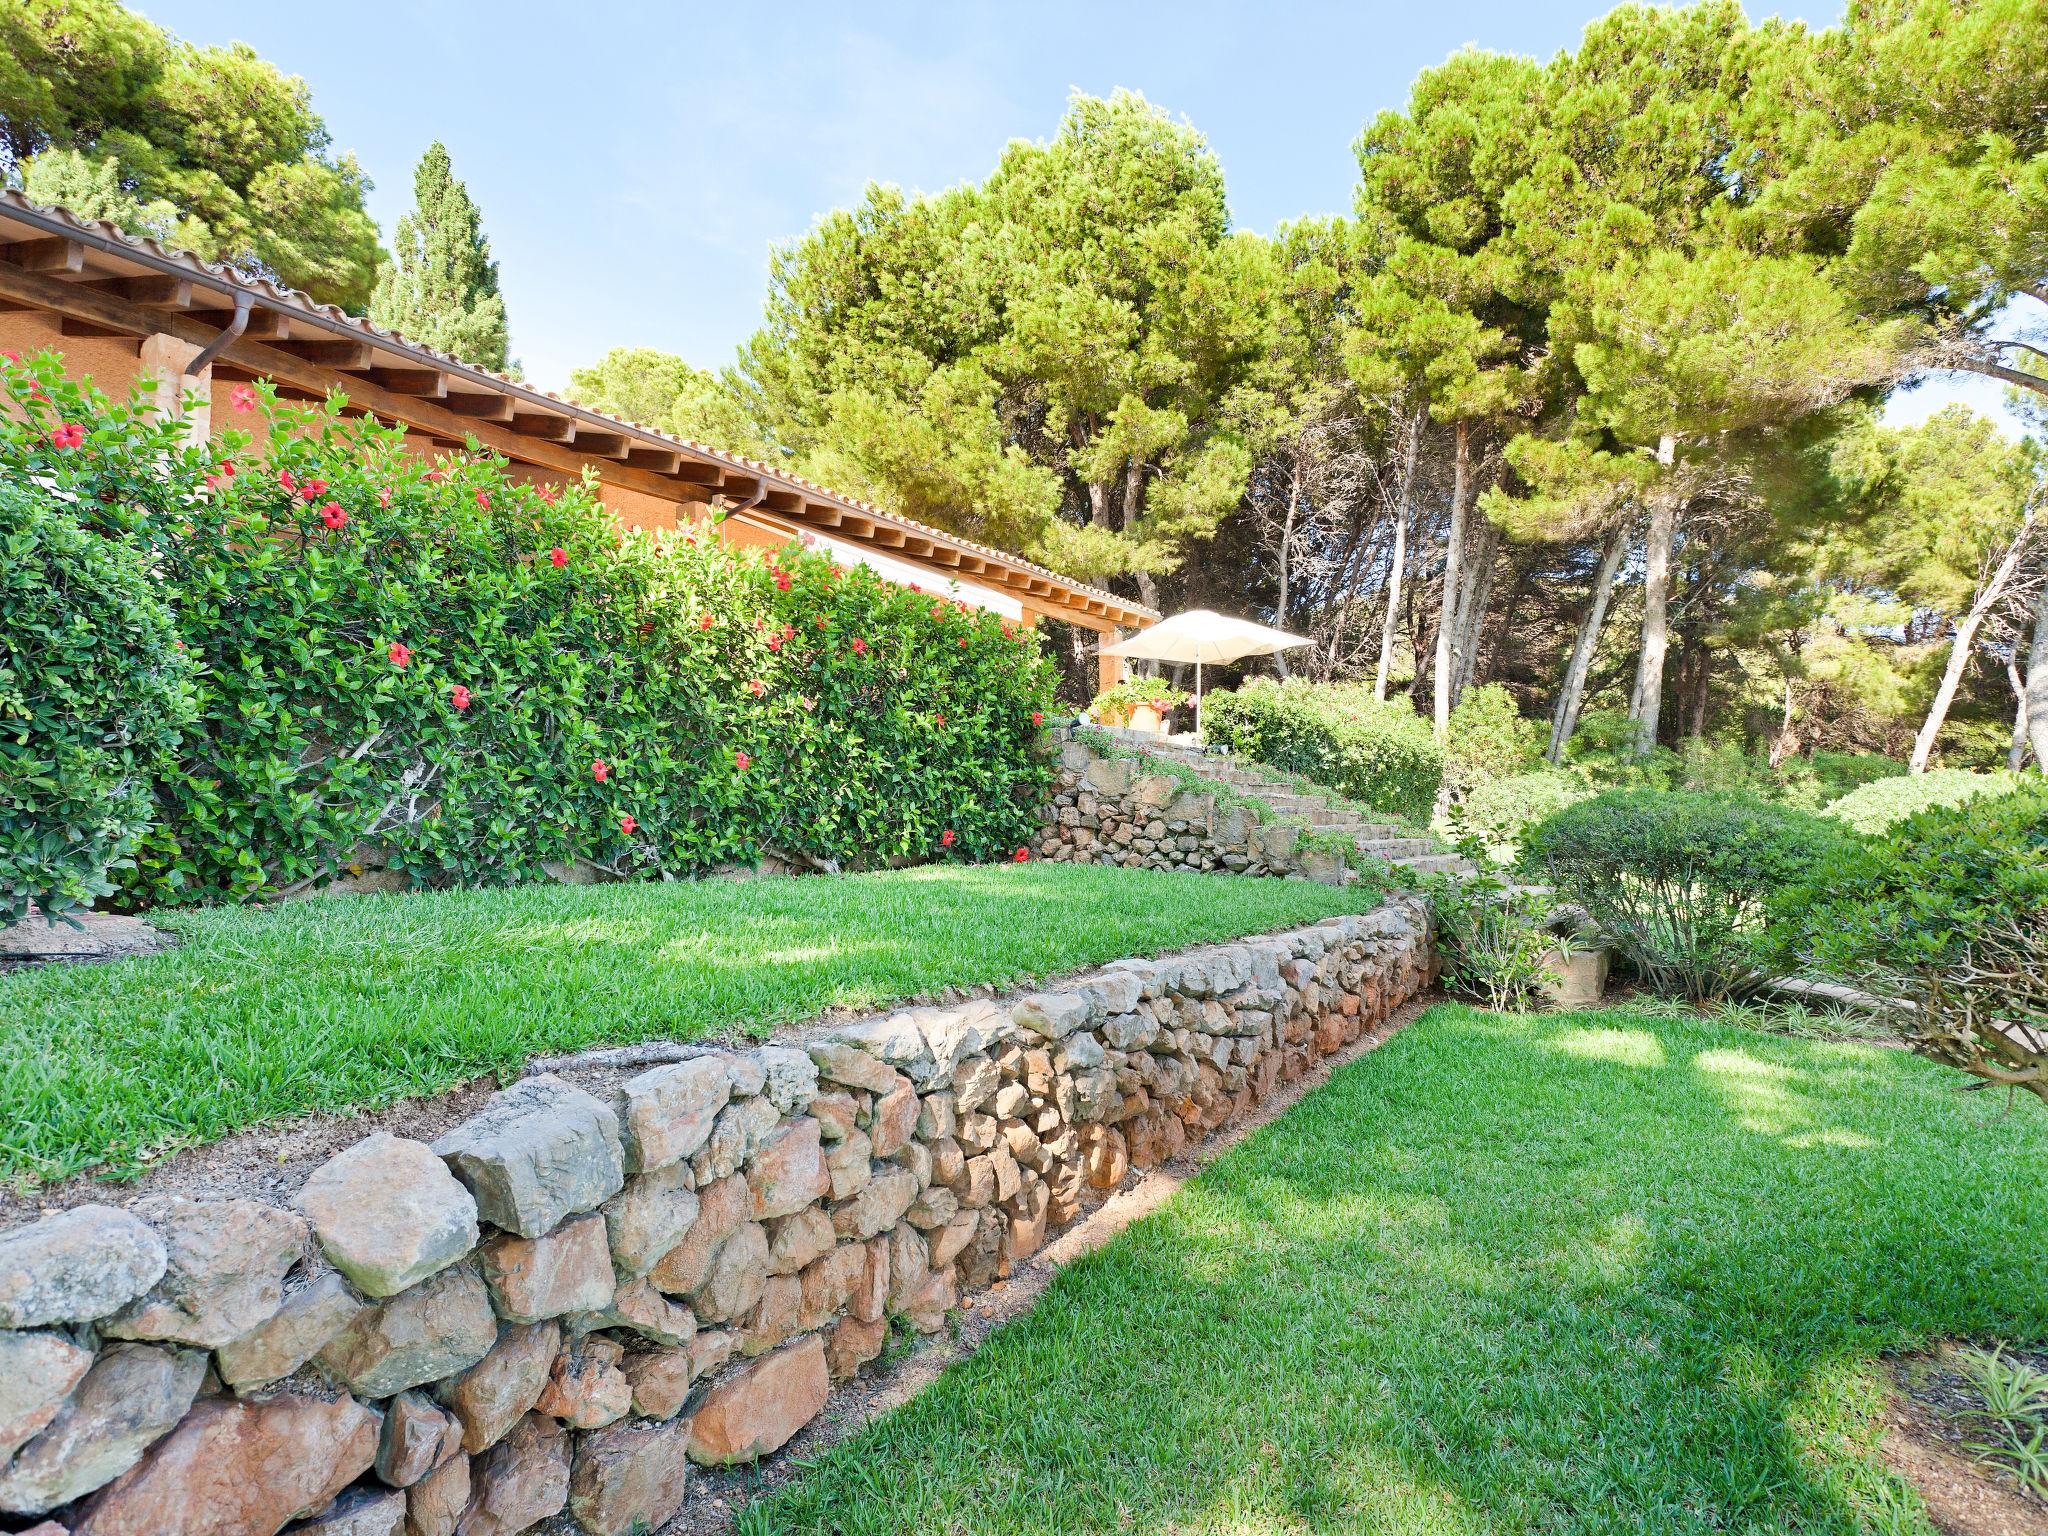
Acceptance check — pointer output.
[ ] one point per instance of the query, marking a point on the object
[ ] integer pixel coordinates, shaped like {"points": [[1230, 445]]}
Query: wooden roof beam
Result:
{"points": [[660, 461], [789, 503], [414, 383], [599, 445], [548, 428], [150, 291], [342, 356], [888, 537], [54, 257], [697, 472], [71, 325], [823, 513], [481, 407]]}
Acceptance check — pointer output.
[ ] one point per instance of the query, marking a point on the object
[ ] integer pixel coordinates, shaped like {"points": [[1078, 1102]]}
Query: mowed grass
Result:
{"points": [[1558, 1274], [327, 1004]]}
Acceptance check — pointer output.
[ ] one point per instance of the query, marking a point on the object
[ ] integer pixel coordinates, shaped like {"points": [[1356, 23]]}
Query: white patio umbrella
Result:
{"points": [[1201, 635]]}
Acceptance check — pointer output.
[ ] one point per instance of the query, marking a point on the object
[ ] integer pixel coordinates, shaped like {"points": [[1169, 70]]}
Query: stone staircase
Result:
{"points": [[1384, 841]]}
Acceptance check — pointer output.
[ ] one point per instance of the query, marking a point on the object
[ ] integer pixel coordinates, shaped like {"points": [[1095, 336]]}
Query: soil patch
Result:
{"points": [[1925, 1442]]}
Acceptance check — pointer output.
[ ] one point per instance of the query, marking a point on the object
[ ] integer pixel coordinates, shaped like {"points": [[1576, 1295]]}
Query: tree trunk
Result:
{"points": [[1478, 592], [1785, 743], [1397, 569], [1964, 644], [2016, 752], [2037, 684], [1572, 697], [1286, 546], [1649, 698], [1454, 551]]}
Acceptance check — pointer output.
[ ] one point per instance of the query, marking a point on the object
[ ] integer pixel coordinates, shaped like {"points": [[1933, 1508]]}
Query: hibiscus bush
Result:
{"points": [[94, 683], [435, 667]]}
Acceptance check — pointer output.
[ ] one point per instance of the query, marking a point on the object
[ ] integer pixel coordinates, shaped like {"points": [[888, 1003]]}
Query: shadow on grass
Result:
{"points": [[1504, 1275]]}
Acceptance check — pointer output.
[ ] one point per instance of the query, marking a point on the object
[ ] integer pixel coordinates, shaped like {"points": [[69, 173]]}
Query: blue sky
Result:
{"points": [[636, 162]]}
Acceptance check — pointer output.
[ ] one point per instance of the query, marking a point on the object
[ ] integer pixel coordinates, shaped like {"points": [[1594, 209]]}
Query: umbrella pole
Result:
{"points": [[1198, 698]]}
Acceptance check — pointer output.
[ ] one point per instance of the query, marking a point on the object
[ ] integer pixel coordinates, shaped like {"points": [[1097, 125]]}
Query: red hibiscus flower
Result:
{"points": [[436, 476], [244, 398], [704, 622], [285, 480], [312, 490], [558, 557], [628, 825], [600, 770], [789, 631], [459, 696], [775, 644], [223, 477], [756, 687], [860, 646], [963, 642], [400, 654], [946, 838], [740, 760], [334, 514], [12, 356], [70, 435], [1020, 855], [547, 494], [384, 497], [939, 719], [483, 501], [782, 581], [1038, 717]]}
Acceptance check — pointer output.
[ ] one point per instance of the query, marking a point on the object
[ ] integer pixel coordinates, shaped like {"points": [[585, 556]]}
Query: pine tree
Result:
{"points": [[441, 289]]}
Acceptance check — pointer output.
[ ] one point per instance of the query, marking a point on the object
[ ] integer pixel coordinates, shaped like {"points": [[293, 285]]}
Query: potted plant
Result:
{"points": [[1141, 703]]}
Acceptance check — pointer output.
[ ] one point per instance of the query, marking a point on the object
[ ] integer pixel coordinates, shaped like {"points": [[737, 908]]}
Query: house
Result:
{"points": [[122, 309]]}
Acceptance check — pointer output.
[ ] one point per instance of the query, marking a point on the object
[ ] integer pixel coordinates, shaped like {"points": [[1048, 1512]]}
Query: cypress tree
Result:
{"points": [[441, 288]]}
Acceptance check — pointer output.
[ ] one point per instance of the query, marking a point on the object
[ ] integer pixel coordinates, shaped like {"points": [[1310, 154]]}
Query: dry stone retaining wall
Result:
{"points": [[551, 1312], [1111, 810]]}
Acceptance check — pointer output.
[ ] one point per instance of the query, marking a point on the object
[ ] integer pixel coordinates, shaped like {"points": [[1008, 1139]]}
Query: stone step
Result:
{"points": [[1397, 847]]}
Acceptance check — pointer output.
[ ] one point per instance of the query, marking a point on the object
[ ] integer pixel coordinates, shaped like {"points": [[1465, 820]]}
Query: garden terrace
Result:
{"points": [[1597, 1273], [360, 1001]]}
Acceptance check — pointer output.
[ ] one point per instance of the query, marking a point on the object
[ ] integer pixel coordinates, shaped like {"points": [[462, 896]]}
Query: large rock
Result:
{"points": [[788, 1170], [852, 1343], [665, 1115], [789, 1078], [660, 1379], [737, 1276], [418, 1436], [227, 1260], [723, 1207], [743, 1126], [501, 1389], [520, 1481], [537, 1152], [630, 1479], [879, 1206], [1055, 1015], [641, 1309], [839, 1062], [313, 1312], [133, 1395], [388, 1213], [236, 1467], [568, 1270], [439, 1327], [360, 1512], [435, 1505], [586, 1389], [793, 1241], [895, 1120], [76, 1266], [37, 1372], [756, 1409], [649, 1217]]}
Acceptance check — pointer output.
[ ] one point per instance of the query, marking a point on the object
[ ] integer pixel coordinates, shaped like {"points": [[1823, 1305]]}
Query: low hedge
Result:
{"points": [[1883, 803], [1680, 882], [472, 678], [1379, 753]]}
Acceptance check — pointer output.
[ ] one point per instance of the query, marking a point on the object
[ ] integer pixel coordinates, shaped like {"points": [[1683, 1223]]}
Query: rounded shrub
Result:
{"points": [[1883, 803], [1489, 739], [1946, 912], [1379, 753], [1679, 881]]}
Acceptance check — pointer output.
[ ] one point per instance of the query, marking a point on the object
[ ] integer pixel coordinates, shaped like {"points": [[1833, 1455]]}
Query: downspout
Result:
{"points": [[215, 347]]}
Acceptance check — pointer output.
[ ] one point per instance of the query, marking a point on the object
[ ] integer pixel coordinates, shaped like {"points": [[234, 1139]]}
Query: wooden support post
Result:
{"points": [[164, 359], [1109, 670]]}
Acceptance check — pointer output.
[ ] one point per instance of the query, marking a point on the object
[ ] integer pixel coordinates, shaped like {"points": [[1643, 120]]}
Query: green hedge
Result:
{"points": [[1883, 803], [476, 677], [1381, 754]]}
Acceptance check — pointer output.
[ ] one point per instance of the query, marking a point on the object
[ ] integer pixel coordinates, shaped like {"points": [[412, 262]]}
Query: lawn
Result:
{"points": [[327, 1004], [1559, 1274]]}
